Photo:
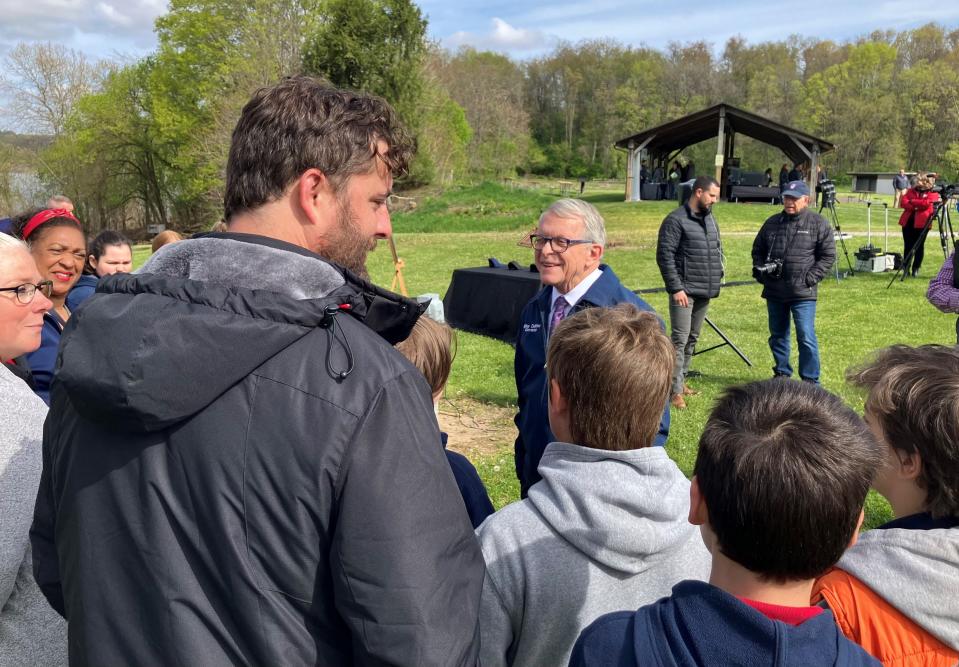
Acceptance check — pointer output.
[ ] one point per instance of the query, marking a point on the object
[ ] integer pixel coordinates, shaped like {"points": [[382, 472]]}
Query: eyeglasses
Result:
{"points": [[27, 291], [557, 243]]}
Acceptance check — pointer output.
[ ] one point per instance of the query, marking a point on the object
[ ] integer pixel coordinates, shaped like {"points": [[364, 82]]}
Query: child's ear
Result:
{"points": [[910, 465], [855, 533], [698, 514], [556, 398]]}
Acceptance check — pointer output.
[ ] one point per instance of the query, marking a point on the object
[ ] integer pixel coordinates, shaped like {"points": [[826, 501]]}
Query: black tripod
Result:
{"points": [[829, 203], [940, 214]]}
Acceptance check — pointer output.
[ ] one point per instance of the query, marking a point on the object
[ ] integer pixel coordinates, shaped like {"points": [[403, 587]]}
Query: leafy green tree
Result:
{"points": [[489, 88], [442, 155], [853, 103], [372, 45]]}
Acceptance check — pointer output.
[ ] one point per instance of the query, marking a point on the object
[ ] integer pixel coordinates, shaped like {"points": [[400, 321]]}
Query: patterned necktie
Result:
{"points": [[559, 312]]}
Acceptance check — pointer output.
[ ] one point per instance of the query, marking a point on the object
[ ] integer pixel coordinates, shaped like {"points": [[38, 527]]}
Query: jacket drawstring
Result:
{"points": [[329, 323]]}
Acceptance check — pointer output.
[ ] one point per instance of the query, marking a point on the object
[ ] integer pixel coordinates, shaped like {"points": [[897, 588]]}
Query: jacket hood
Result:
{"points": [[626, 510], [701, 624], [896, 563], [203, 314]]}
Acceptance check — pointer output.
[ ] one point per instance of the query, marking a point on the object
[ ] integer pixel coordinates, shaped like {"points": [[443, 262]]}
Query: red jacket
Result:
{"points": [[920, 203]]}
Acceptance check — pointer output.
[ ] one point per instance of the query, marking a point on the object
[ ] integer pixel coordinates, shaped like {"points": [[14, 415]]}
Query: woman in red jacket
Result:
{"points": [[918, 204]]}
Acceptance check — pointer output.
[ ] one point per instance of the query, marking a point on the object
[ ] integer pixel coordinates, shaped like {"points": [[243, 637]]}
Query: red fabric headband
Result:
{"points": [[43, 216]]}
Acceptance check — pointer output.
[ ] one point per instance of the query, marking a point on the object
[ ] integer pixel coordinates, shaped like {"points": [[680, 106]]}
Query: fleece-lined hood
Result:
{"points": [[625, 509], [896, 563], [213, 308]]}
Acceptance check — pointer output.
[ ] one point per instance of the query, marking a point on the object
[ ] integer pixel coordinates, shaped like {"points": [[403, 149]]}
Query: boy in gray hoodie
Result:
{"points": [[606, 526]]}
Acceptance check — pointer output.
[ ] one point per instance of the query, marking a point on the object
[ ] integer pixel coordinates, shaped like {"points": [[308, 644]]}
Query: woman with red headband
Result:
{"points": [[59, 250]]}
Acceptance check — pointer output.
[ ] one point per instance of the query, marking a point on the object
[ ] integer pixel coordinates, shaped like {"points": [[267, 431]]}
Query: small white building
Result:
{"points": [[875, 182]]}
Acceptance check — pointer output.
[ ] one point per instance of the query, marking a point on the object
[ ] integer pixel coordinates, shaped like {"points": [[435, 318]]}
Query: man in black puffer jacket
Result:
{"points": [[239, 469], [690, 258], [792, 253]]}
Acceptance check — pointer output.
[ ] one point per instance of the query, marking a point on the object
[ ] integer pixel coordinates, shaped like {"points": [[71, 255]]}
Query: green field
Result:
{"points": [[856, 316], [464, 226]]}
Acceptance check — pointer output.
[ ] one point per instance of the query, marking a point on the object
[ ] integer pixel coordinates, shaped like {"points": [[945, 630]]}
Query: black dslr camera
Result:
{"points": [[771, 269], [828, 189]]}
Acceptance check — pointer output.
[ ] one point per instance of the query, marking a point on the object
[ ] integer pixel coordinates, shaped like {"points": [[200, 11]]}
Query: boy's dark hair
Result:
{"points": [[431, 347], [784, 468], [914, 397], [98, 245], [302, 123], [615, 367], [704, 183]]}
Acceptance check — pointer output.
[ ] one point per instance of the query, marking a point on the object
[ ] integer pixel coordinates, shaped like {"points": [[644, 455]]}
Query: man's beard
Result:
{"points": [[345, 245]]}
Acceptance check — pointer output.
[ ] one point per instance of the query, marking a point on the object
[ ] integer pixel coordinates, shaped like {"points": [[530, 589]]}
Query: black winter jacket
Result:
{"points": [[806, 242], [689, 253], [240, 470]]}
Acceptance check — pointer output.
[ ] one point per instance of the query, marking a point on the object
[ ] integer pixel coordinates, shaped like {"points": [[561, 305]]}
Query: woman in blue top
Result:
{"points": [[58, 247], [110, 252]]}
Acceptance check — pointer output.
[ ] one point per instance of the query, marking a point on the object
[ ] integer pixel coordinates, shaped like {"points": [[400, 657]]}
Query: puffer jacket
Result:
{"points": [[689, 253], [918, 206], [239, 469], [806, 242]]}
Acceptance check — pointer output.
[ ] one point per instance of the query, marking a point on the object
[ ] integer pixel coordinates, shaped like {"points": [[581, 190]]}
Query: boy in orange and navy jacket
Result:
{"points": [[896, 591]]}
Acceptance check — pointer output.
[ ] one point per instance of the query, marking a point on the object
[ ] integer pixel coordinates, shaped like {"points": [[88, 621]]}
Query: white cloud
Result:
{"points": [[502, 37], [107, 25]]}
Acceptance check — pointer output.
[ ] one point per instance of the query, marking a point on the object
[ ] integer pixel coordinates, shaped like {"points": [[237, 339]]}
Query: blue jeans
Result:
{"points": [[804, 315]]}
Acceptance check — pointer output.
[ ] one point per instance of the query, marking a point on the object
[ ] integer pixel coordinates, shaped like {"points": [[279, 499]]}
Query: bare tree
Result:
{"points": [[44, 80]]}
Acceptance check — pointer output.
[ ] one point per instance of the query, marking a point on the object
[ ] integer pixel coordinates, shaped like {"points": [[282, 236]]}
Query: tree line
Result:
{"points": [[145, 142]]}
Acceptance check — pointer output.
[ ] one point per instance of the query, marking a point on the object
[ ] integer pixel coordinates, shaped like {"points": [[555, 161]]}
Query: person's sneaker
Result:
{"points": [[678, 402], [689, 391]]}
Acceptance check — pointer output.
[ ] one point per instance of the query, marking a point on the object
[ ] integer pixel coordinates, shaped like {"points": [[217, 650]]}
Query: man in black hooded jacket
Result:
{"points": [[238, 467]]}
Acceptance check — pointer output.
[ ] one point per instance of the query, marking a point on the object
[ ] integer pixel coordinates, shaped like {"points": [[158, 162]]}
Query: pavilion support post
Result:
{"points": [[636, 194], [635, 167], [721, 145], [813, 163]]}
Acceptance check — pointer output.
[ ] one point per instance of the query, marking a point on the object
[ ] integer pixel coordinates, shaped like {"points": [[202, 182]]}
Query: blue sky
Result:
{"points": [[521, 29]]}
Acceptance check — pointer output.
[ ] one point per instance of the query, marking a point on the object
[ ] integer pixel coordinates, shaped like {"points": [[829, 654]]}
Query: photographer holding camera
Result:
{"points": [[791, 254]]}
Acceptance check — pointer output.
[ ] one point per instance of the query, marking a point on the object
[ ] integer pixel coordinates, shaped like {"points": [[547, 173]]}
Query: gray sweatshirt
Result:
{"points": [[31, 633], [602, 532], [916, 571]]}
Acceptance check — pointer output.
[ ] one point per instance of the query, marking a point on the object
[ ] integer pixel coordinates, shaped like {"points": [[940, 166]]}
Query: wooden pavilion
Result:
{"points": [[659, 146]]}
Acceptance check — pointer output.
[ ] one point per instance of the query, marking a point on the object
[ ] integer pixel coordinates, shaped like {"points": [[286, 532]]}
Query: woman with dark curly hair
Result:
{"points": [[59, 249]]}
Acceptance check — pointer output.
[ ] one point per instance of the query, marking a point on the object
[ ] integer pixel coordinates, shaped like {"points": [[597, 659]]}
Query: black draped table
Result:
{"points": [[489, 301]]}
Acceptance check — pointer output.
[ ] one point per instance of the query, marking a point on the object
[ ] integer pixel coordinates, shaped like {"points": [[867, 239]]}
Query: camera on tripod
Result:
{"points": [[946, 190], [827, 187], [772, 269]]}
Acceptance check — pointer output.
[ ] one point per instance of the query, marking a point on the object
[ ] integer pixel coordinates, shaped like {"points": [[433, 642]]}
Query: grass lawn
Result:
{"points": [[464, 226], [856, 316]]}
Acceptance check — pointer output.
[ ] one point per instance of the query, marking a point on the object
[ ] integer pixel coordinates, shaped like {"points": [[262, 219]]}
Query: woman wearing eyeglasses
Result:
{"points": [[59, 249], [31, 633]]}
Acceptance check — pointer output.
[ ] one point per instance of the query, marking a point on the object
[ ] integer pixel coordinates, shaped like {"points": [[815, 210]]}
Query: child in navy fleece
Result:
{"points": [[780, 480], [430, 348]]}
